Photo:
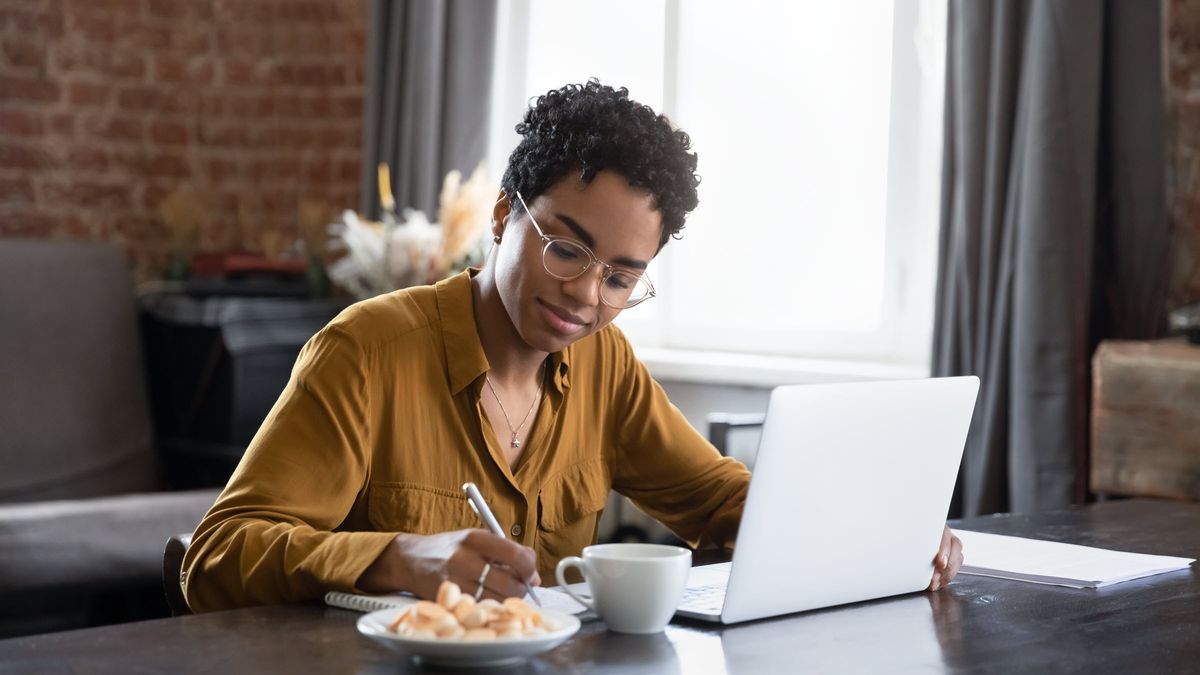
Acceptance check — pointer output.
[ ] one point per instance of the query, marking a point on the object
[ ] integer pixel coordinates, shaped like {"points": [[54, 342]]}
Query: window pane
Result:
{"points": [[788, 106]]}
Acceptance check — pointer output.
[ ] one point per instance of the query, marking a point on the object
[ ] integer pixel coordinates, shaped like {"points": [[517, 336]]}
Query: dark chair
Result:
{"points": [[83, 511], [720, 424], [172, 573]]}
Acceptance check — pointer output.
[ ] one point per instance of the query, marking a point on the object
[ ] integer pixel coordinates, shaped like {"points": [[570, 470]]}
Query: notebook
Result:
{"points": [[550, 598], [1051, 562]]}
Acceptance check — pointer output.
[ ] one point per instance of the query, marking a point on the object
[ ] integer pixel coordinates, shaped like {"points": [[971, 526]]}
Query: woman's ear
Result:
{"points": [[500, 211]]}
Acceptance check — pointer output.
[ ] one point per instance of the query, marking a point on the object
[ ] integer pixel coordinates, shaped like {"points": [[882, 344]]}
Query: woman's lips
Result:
{"points": [[561, 320]]}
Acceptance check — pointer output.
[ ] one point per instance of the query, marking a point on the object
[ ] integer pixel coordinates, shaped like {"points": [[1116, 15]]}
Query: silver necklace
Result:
{"points": [[516, 442]]}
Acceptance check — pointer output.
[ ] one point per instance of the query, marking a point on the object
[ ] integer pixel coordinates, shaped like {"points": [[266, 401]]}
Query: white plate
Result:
{"points": [[468, 653]]}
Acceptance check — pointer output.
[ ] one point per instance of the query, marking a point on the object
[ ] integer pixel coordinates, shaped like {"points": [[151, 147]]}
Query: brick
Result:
{"points": [[348, 106], [222, 134], [153, 195], [191, 40], [113, 127], [26, 222], [316, 106], [167, 9], [21, 123], [212, 105], [348, 170], [202, 9], [131, 160], [174, 166], [87, 194], [87, 94], [168, 133], [31, 24], [137, 33], [87, 158], [24, 157], [109, 7], [220, 170], [29, 89], [63, 124], [320, 75], [239, 71], [335, 137], [296, 137], [246, 12], [318, 172], [238, 40], [23, 53], [16, 190], [287, 104], [356, 41], [157, 99], [94, 27], [251, 106], [183, 70], [282, 73], [99, 60]]}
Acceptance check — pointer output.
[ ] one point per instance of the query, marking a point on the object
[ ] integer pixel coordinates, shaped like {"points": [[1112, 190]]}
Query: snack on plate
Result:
{"points": [[456, 616]]}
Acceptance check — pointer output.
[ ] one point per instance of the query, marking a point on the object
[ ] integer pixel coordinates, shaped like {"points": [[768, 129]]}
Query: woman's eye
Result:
{"points": [[621, 281], [564, 251]]}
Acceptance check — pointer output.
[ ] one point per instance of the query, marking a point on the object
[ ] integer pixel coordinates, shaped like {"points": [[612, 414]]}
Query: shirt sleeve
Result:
{"points": [[270, 538], [666, 467]]}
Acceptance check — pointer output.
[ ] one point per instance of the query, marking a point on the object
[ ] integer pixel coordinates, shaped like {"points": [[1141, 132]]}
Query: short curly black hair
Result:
{"points": [[592, 127]]}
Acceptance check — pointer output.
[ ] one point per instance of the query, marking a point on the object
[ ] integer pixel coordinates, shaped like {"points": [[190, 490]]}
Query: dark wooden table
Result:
{"points": [[975, 625]]}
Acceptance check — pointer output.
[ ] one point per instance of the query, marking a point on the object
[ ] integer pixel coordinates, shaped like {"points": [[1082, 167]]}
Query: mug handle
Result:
{"points": [[560, 574]]}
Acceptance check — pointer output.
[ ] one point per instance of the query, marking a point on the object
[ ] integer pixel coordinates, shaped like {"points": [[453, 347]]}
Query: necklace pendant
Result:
{"points": [[515, 443]]}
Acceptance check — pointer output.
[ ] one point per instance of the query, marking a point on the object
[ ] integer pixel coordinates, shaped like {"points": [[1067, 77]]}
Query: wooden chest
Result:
{"points": [[1146, 419]]}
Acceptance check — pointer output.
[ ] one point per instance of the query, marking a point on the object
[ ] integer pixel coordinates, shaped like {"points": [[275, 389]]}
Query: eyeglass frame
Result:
{"points": [[593, 259]]}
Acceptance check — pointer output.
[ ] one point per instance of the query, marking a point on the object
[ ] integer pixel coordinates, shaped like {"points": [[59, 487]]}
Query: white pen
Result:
{"points": [[481, 509]]}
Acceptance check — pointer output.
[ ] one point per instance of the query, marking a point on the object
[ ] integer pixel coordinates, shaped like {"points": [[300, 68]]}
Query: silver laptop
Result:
{"points": [[849, 496]]}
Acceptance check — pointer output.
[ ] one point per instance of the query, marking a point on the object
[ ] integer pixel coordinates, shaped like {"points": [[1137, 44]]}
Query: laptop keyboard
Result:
{"points": [[707, 599], [705, 593]]}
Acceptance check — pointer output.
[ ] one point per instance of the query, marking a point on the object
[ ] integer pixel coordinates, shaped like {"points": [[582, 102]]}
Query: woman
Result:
{"points": [[510, 377]]}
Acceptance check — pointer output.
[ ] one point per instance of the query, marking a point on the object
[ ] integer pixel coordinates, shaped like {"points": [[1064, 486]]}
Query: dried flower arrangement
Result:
{"points": [[378, 257]]}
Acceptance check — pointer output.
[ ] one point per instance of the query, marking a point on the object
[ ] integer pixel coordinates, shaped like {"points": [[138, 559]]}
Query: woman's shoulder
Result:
{"points": [[388, 317]]}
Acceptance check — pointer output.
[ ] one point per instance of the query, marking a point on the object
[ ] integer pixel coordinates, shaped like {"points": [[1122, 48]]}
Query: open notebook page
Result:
{"points": [[550, 598], [1050, 562]]}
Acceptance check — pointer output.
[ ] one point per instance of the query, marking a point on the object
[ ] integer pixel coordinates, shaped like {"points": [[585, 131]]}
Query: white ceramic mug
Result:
{"points": [[635, 587]]}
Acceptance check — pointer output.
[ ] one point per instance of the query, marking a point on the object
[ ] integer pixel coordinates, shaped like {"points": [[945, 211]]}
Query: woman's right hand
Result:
{"points": [[419, 563]]}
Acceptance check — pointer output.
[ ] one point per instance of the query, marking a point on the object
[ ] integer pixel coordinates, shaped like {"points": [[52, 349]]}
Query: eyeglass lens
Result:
{"points": [[566, 260]]}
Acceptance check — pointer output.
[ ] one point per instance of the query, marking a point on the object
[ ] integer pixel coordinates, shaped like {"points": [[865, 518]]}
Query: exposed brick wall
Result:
{"points": [[1182, 21], [108, 105]]}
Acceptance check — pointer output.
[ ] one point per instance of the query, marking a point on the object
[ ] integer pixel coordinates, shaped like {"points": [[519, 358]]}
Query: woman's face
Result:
{"points": [[616, 221]]}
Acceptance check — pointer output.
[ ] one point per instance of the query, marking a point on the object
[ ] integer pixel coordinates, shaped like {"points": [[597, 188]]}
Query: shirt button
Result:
{"points": [[516, 530]]}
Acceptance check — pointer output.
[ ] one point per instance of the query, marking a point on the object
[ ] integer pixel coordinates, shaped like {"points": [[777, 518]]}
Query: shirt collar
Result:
{"points": [[465, 360]]}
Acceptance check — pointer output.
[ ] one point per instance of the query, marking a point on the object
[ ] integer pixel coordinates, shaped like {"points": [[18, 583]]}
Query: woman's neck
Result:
{"points": [[512, 361]]}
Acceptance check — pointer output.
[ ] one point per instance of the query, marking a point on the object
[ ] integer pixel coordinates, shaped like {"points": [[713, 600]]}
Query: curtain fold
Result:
{"points": [[1053, 232], [429, 71]]}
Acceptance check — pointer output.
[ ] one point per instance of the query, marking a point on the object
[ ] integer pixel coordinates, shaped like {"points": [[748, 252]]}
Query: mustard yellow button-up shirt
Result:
{"points": [[381, 424]]}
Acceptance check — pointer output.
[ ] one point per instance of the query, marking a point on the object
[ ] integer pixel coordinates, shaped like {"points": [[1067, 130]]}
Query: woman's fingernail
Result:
{"points": [[945, 560]]}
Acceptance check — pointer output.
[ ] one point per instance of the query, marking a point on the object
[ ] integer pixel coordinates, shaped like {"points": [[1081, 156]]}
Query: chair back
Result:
{"points": [[177, 546], [73, 404]]}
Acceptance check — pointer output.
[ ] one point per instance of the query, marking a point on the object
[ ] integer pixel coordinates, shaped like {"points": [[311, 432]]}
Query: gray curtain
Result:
{"points": [[1053, 228], [429, 72]]}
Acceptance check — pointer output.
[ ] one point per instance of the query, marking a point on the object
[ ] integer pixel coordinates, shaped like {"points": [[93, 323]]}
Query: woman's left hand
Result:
{"points": [[947, 561]]}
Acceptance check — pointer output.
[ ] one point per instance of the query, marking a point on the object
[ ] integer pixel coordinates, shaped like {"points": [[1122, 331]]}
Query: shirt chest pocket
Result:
{"points": [[569, 508], [418, 509]]}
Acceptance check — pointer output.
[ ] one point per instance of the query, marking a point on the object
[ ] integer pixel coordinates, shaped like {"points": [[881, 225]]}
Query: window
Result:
{"points": [[818, 127]]}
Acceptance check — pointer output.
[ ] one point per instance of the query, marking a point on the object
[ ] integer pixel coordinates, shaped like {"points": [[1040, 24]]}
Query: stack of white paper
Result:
{"points": [[1049, 562]]}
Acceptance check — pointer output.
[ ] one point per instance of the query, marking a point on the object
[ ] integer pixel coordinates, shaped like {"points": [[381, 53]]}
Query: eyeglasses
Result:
{"points": [[567, 259]]}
